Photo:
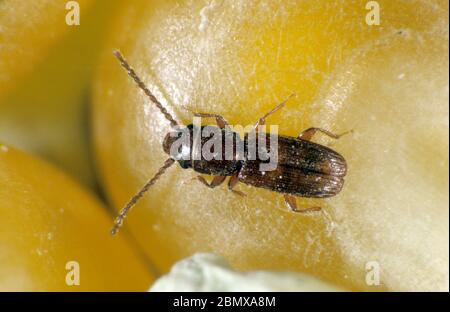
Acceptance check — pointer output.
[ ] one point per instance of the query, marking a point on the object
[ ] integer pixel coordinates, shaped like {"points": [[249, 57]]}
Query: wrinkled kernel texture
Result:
{"points": [[388, 83]]}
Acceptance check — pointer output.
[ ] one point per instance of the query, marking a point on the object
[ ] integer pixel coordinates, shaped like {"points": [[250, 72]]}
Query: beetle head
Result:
{"points": [[177, 143]]}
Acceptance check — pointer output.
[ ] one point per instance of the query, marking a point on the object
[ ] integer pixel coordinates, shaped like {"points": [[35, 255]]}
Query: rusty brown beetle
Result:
{"points": [[303, 168]]}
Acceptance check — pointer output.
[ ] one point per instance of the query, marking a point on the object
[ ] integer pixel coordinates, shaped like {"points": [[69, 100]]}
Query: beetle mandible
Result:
{"points": [[304, 168]]}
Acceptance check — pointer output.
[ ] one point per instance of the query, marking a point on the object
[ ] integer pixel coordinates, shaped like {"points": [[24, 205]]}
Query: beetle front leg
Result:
{"points": [[221, 122], [307, 134], [232, 183], [216, 181], [291, 203]]}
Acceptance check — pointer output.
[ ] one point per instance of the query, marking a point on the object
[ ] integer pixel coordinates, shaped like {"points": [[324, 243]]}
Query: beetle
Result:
{"points": [[304, 168]]}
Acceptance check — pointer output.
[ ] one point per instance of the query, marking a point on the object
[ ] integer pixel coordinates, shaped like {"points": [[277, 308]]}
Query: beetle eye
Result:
{"points": [[185, 152]]}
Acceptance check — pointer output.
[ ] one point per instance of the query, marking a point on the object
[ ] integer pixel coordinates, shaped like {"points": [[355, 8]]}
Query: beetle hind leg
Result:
{"points": [[307, 134], [291, 203]]}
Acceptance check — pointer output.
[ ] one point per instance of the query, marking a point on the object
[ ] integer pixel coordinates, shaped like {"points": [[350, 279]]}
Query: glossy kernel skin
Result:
{"points": [[45, 71], [388, 83], [28, 31], [48, 220]]}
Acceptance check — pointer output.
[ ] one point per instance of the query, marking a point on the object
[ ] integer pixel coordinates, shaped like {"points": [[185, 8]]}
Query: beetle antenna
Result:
{"points": [[144, 88], [123, 213]]}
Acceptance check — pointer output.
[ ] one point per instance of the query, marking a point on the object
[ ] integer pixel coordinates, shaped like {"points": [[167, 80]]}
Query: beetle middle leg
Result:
{"points": [[221, 122], [216, 181], [291, 203], [309, 133], [232, 183], [262, 121]]}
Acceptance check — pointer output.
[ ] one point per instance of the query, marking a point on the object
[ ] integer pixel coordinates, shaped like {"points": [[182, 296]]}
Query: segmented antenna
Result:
{"points": [[123, 213], [141, 85]]}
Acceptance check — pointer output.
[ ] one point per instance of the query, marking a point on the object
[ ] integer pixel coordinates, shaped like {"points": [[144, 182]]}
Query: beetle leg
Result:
{"points": [[291, 202], [307, 134], [262, 121], [232, 183], [221, 122], [216, 181]]}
